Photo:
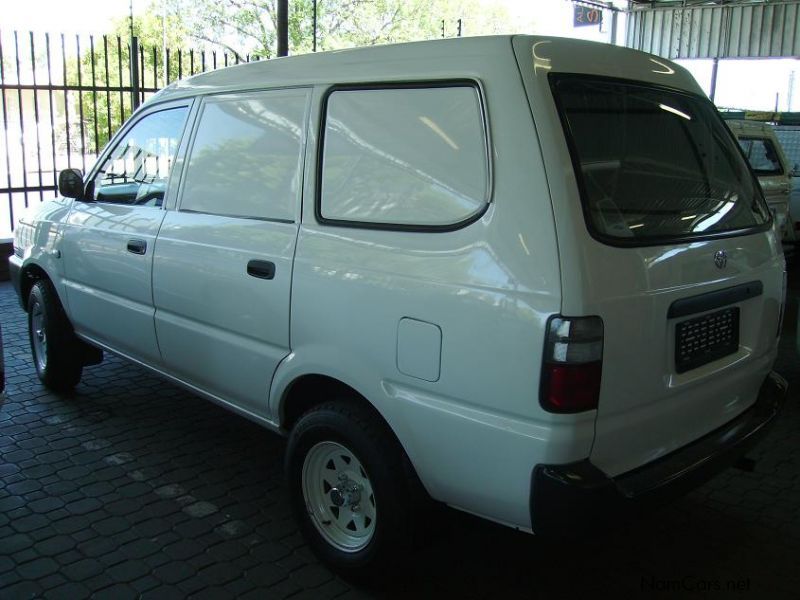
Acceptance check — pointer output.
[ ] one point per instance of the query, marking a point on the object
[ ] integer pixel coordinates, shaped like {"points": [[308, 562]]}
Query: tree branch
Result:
{"points": [[233, 50]]}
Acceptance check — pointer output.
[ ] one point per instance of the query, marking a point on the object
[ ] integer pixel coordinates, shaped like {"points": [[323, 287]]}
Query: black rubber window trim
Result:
{"points": [[408, 227]]}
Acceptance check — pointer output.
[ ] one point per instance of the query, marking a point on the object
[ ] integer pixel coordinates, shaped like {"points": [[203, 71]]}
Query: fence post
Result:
{"points": [[134, 60], [283, 27]]}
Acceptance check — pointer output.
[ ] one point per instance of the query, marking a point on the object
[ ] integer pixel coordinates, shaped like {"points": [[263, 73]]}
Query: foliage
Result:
{"points": [[243, 26]]}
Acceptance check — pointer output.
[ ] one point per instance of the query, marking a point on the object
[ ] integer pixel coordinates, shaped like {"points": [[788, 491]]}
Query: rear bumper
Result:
{"points": [[568, 499]]}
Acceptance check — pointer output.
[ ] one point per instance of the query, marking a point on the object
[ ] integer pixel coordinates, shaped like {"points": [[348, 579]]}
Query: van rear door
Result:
{"points": [[665, 235]]}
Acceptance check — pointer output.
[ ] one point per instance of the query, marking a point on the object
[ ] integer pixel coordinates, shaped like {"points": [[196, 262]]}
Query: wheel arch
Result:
{"points": [[29, 275], [308, 390], [311, 389]]}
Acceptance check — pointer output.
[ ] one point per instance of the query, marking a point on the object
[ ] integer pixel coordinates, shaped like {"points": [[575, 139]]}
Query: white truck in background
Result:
{"points": [[768, 161], [789, 138]]}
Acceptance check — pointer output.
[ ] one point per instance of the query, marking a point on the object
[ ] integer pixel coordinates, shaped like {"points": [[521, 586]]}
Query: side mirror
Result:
{"points": [[70, 184]]}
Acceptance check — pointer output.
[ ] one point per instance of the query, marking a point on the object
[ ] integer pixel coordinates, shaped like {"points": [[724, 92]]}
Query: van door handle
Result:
{"points": [[137, 246], [263, 269]]}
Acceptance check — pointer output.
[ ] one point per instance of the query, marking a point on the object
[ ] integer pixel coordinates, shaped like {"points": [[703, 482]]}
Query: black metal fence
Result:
{"points": [[62, 98]]}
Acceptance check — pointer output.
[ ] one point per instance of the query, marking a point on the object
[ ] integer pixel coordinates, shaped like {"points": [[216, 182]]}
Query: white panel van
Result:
{"points": [[530, 278]]}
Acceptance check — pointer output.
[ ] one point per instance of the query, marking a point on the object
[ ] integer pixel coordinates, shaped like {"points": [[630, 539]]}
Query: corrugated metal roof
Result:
{"points": [[733, 30]]}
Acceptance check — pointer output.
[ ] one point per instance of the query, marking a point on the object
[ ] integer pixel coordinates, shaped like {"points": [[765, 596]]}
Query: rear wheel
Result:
{"points": [[349, 488], [56, 351]]}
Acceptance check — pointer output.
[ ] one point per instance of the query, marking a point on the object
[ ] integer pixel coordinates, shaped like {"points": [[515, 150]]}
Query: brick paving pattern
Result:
{"points": [[133, 488]]}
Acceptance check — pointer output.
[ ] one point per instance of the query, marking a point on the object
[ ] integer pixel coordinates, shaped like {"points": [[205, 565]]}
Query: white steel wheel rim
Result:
{"points": [[39, 336], [339, 496]]}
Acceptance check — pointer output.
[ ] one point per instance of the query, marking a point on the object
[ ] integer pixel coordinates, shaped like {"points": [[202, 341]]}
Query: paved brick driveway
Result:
{"points": [[132, 487]]}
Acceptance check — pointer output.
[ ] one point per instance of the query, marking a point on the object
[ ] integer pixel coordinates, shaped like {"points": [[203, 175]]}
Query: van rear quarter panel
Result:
{"points": [[476, 432]]}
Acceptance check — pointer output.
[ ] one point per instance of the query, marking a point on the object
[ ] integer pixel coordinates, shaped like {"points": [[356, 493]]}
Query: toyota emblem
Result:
{"points": [[721, 259]]}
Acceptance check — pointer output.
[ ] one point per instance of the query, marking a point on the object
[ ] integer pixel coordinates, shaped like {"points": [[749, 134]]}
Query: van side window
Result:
{"points": [[137, 170], [246, 158], [404, 156]]}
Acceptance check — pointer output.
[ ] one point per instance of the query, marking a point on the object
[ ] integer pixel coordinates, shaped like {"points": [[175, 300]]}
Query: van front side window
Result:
{"points": [[404, 156], [137, 170], [246, 157]]}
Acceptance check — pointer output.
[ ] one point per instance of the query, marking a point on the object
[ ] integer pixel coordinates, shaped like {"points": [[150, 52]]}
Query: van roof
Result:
{"points": [[434, 59]]}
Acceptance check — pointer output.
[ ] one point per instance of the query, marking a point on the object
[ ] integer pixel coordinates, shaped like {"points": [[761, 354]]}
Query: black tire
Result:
{"points": [[368, 439], [55, 349]]}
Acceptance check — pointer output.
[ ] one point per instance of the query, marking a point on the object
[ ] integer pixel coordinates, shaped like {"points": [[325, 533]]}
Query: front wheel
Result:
{"points": [[349, 488], [54, 346]]}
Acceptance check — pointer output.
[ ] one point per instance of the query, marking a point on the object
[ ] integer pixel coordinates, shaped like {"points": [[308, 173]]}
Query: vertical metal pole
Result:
{"points": [[94, 93], [80, 103], [134, 59], [134, 64], [119, 76], [51, 106], [66, 101], [20, 105], [5, 137], [283, 27], [108, 89], [164, 42], [36, 119], [714, 68], [459, 28], [155, 70], [614, 15], [314, 27]]}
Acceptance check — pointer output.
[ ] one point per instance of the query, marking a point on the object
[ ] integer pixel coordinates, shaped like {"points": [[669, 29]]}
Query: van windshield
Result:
{"points": [[654, 165]]}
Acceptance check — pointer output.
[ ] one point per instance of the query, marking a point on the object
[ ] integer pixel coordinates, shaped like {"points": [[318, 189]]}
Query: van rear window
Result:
{"points": [[654, 165]]}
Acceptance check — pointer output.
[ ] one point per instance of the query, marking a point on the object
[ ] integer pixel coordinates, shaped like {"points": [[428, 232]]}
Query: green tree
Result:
{"points": [[250, 26]]}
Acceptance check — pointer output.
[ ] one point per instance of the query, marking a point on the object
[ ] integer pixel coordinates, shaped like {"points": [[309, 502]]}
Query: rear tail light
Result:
{"points": [[573, 363]]}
